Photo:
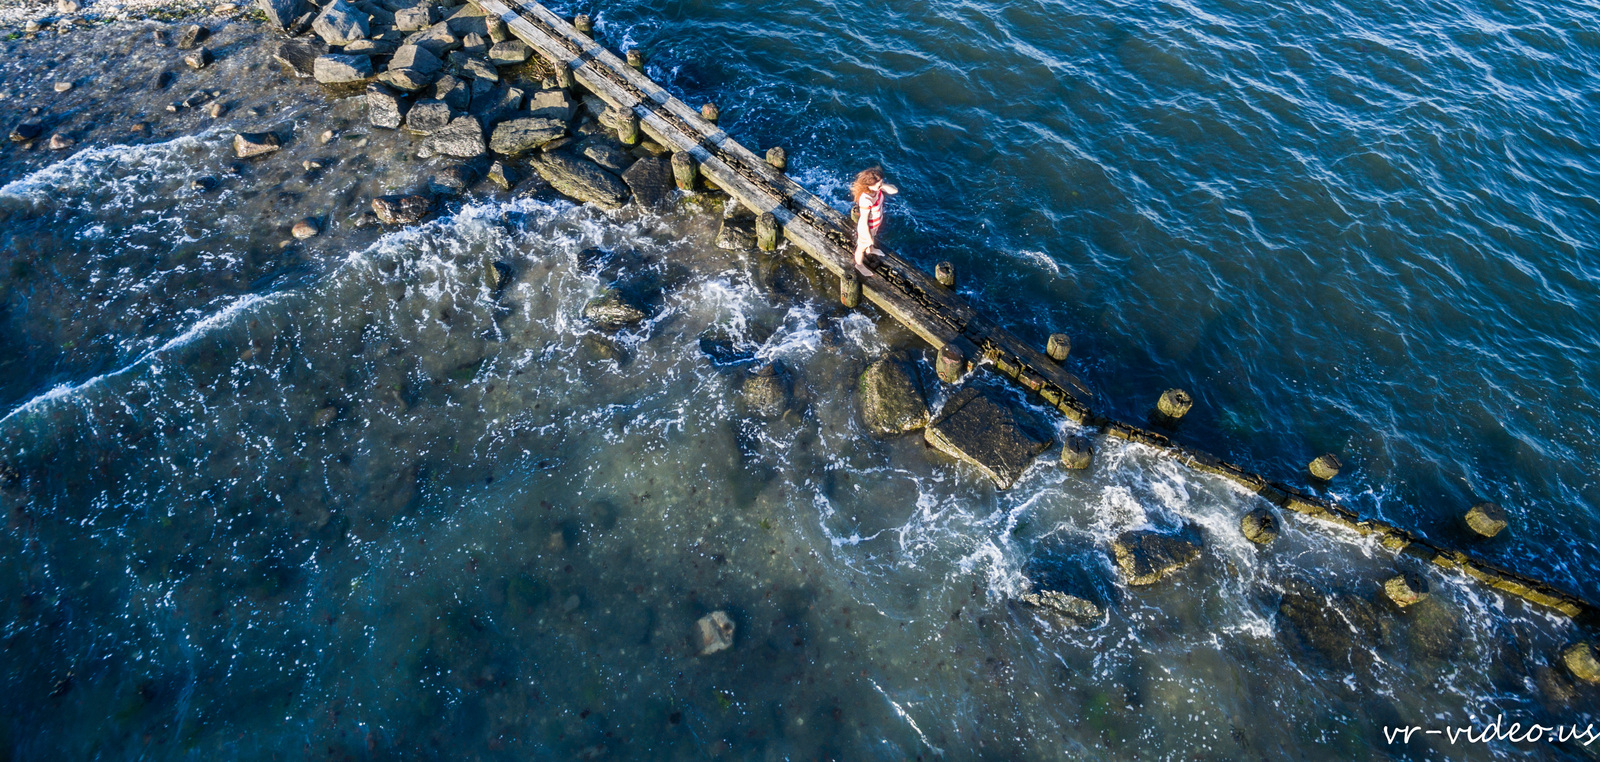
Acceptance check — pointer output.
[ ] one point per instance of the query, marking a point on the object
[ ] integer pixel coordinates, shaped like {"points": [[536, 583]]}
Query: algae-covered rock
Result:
{"points": [[891, 396], [767, 390], [401, 210], [581, 179], [1583, 661], [612, 310], [1069, 609], [1145, 556], [1339, 628], [999, 437]]}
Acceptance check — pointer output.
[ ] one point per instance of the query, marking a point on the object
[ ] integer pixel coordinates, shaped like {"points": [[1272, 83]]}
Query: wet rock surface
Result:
{"points": [[401, 210], [1145, 557], [515, 137], [1068, 609], [614, 309], [650, 180], [891, 396], [581, 179], [978, 426]]}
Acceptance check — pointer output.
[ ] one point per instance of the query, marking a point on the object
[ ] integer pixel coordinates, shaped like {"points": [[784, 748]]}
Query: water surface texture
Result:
{"points": [[364, 498]]}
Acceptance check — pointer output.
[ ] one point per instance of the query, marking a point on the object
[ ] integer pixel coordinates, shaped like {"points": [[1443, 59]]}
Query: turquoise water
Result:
{"points": [[350, 499]]}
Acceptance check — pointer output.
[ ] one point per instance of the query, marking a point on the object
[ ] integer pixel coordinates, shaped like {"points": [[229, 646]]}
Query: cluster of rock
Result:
{"points": [[455, 79]]}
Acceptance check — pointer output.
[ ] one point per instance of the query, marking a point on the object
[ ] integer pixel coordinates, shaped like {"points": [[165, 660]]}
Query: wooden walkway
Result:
{"points": [[920, 303]]}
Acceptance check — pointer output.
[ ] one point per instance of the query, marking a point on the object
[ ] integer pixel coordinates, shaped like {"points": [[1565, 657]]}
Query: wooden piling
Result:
{"points": [[636, 59], [709, 112], [564, 78], [1174, 403], [945, 273], [767, 231], [951, 365], [849, 289], [628, 129], [1325, 466], [1058, 347], [583, 24], [683, 170], [778, 158]]}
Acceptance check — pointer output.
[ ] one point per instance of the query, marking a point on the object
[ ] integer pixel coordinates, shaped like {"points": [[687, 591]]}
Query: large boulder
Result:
{"points": [[408, 80], [416, 58], [299, 57], [996, 435], [767, 390], [499, 104], [518, 136], [551, 104], [401, 210], [650, 180], [340, 69], [1339, 628], [462, 138], [1066, 609], [281, 13], [454, 91], [581, 179], [341, 23], [385, 108], [613, 310], [1145, 557], [416, 18], [892, 401], [427, 117], [509, 53]]}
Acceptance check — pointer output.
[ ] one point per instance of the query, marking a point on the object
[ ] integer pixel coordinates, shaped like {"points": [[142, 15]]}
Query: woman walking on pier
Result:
{"points": [[868, 191]]}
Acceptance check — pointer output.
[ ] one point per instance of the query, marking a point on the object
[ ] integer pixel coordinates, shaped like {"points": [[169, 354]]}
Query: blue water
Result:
{"points": [[346, 499]]}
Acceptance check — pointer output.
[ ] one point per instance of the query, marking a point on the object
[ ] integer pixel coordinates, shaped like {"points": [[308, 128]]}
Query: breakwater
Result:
{"points": [[955, 329]]}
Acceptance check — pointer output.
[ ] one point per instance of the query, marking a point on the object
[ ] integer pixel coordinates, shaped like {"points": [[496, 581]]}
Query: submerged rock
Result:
{"points": [[401, 210], [1145, 557], [452, 181], [462, 138], [1068, 608], [299, 57], [713, 633], [339, 69], [613, 310], [251, 144], [502, 176], [1259, 526], [199, 58], [891, 397], [191, 36], [518, 136], [28, 129], [998, 437], [1337, 627], [341, 23], [304, 229], [767, 390], [581, 179], [1583, 661], [650, 180]]}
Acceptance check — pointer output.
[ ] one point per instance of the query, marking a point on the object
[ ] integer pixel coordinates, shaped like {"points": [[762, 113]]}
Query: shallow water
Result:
{"points": [[349, 498]]}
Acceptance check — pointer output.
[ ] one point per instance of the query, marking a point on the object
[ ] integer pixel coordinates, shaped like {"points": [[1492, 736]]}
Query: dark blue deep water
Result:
{"points": [[351, 499]]}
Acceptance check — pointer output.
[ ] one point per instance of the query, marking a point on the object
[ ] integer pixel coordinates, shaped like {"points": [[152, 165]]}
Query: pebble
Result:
{"points": [[62, 87], [199, 59], [325, 137], [60, 142], [225, 8], [31, 26], [214, 110], [304, 229], [68, 6], [311, 164]]}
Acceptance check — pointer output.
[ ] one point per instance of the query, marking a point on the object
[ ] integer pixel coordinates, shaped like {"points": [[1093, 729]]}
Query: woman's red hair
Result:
{"points": [[864, 181]]}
